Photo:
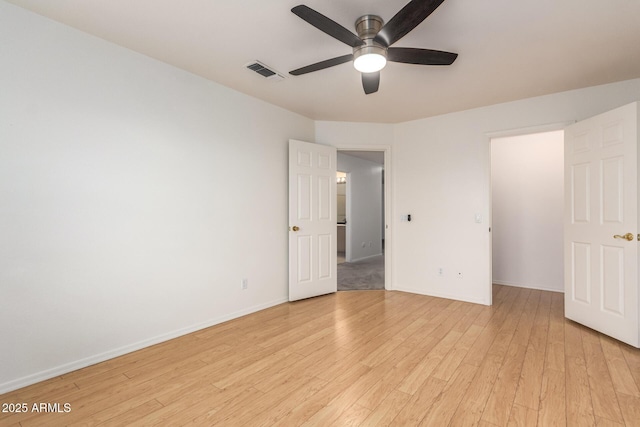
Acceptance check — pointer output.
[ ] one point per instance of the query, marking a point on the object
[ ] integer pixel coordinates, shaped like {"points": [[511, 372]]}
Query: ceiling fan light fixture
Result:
{"points": [[369, 58], [370, 62]]}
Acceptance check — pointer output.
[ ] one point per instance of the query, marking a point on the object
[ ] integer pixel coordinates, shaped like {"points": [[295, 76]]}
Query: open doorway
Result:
{"points": [[341, 203], [527, 204], [361, 220]]}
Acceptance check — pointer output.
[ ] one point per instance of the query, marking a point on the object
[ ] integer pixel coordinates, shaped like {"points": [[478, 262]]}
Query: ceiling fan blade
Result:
{"points": [[409, 55], [322, 65], [327, 25], [412, 14], [371, 82]]}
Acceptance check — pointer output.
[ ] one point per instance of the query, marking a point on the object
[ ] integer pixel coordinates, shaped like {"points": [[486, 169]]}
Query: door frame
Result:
{"points": [[489, 136], [388, 205]]}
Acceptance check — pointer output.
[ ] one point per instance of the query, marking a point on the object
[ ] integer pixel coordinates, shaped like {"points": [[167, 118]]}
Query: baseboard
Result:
{"points": [[366, 257], [440, 295], [519, 285], [92, 360]]}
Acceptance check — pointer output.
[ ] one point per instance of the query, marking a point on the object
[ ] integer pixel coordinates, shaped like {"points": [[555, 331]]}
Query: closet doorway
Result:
{"points": [[527, 180]]}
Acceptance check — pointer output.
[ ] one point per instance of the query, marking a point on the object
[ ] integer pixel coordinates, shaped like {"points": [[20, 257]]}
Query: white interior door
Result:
{"points": [[312, 220], [601, 209]]}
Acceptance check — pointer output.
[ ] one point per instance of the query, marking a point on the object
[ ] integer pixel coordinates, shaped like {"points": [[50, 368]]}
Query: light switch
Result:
{"points": [[479, 218]]}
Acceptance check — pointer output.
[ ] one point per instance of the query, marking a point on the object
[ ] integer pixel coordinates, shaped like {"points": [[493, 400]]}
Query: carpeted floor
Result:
{"points": [[361, 275]]}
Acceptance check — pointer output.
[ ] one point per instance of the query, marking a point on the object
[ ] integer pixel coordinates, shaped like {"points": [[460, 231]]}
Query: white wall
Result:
{"points": [[527, 184], [353, 135], [364, 208], [131, 200], [442, 177]]}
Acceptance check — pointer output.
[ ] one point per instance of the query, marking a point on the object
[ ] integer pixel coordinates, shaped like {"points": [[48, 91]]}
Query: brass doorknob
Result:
{"points": [[627, 236], [295, 228]]}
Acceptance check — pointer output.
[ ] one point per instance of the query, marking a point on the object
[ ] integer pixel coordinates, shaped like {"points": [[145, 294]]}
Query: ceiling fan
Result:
{"points": [[371, 47]]}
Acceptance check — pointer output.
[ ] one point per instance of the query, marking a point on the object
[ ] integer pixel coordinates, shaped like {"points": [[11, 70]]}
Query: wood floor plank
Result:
{"points": [[354, 416], [540, 329], [350, 395], [371, 358], [632, 356], [552, 410], [522, 416], [503, 393], [447, 403], [555, 358], [428, 364], [603, 422], [525, 325], [202, 413], [130, 416], [630, 406], [420, 403], [450, 363], [623, 381], [274, 414], [579, 406], [387, 409], [392, 378], [530, 382], [267, 400], [301, 413], [472, 404], [603, 395]]}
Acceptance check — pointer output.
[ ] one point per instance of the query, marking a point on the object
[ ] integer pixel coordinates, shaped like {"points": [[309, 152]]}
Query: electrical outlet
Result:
{"points": [[440, 272], [245, 284], [460, 275]]}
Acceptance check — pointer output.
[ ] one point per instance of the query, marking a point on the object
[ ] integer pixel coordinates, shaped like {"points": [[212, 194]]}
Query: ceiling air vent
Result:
{"points": [[265, 71]]}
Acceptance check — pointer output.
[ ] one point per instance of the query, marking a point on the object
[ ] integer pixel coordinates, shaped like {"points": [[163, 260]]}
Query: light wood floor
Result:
{"points": [[363, 358]]}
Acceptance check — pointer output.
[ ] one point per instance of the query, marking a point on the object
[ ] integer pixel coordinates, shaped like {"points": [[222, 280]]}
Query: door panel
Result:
{"points": [[601, 184], [304, 261], [581, 266], [312, 220], [612, 190], [324, 256], [612, 285], [580, 191]]}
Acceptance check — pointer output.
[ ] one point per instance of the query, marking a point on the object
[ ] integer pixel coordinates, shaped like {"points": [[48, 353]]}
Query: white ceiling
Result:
{"points": [[508, 49]]}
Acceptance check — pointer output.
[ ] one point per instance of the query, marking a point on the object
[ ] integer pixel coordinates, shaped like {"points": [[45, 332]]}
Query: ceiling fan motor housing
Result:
{"points": [[367, 27]]}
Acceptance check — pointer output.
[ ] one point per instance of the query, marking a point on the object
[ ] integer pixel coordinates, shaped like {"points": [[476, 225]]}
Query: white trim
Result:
{"points": [[549, 127], [520, 285], [366, 257], [347, 227], [441, 295], [92, 360]]}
